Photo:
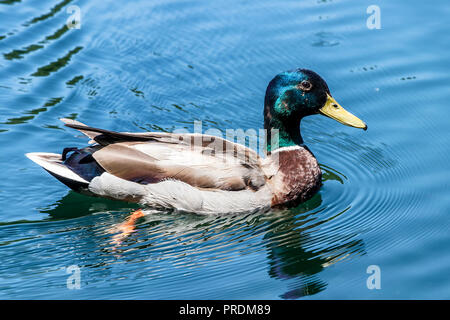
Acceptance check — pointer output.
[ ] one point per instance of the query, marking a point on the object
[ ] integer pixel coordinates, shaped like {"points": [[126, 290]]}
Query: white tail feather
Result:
{"points": [[52, 163]]}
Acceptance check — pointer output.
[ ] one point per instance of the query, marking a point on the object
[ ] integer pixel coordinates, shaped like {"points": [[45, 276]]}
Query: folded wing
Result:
{"points": [[202, 161]]}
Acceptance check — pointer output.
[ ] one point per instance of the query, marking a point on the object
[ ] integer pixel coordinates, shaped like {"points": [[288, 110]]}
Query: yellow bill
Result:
{"points": [[333, 110]]}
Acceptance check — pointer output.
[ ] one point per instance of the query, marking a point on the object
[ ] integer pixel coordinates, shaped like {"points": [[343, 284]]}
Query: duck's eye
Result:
{"points": [[305, 85]]}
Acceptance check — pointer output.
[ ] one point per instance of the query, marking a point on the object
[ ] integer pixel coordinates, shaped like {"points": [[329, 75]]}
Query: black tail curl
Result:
{"points": [[82, 162]]}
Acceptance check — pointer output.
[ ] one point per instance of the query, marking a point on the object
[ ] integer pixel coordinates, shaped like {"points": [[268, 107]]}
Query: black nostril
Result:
{"points": [[336, 106]]}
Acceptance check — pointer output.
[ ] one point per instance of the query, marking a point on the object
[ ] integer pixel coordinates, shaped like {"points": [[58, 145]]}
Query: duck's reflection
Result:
{"points": [[74, 205], [296, 252], [297, 247]]}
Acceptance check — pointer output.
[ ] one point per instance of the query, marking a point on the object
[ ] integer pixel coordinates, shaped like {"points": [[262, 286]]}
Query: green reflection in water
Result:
{"points": [[51, 13], [9, 1], [34, 112], [56, 65], [297, 254], [75, 205], [329, 173], [19, 53], [74, 80]]}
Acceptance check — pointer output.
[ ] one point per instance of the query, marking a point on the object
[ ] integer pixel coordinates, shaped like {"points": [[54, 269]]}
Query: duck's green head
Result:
{"points": [[292, 95]]}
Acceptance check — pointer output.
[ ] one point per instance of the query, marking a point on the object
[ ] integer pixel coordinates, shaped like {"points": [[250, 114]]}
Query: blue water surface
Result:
{"points": [[161, 65]]}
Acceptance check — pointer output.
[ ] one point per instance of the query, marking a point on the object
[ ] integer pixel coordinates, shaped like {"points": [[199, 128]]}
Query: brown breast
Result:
{"points": [[297, 176]]}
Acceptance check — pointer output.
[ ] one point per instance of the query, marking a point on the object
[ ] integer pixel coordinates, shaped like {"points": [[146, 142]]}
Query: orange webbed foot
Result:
{"points": [[127, 227]]}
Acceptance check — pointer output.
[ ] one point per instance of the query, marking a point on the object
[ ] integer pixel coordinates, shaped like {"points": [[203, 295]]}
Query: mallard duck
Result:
{"points": [[203, 173]]}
